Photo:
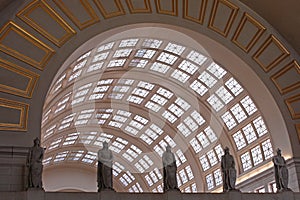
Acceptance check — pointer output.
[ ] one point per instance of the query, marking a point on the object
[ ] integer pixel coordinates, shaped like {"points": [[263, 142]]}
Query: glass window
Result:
{"points": [[239, 140], [175, 48], [167, 58], [183, 176], [169, 116], [105, 47], [207, 79], [267, 149], [212, 158], [256, 155], [100, 56], [116, 63], [198, 87], [128, 42], [229, 120], [188, 67], [215, 102], [196, 57], [234, 86], [224, 94], [184, 130], [210, 181], [180, 76], [176, 110], [203, 139], [152, 43], [210, 134], [246, 161], [238, 113], [260, 126], [218, 177], [191, 123], [248, 105], [216, 70], [195, 144], [159, 67], [204, 163], [249, 133]]}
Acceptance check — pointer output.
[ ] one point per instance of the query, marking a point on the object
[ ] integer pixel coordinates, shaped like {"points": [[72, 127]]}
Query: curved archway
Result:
{"points": [[241, 31], [126, 72]]}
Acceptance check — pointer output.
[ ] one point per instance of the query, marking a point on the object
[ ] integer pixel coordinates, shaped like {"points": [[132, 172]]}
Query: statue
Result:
{"points": [[35, 165], [228, 170], [281, 172], [104, 174], [169, 170]]}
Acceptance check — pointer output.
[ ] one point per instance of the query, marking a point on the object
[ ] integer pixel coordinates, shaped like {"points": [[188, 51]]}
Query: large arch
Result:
{"points": [[242, 34]]}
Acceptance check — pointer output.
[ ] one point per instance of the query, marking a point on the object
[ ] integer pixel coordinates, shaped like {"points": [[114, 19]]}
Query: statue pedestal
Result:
{"points": [[35, 193], [173, 194], [234, 195], [107, 195], [286, 195]]}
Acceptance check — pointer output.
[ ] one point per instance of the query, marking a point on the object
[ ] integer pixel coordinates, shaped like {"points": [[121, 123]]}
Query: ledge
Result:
{"points": [[173, 195]]}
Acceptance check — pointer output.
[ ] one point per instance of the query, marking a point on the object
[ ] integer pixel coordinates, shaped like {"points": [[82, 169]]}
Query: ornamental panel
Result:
{"points": [[26, 79], [80, 12], [17, 42], [293, 104], [110, 9], [248, 32], [271, 53], [50, 25], [222, 16], [287, 79], [194, 10], [138, 6], [167, 7], [14, 115]]}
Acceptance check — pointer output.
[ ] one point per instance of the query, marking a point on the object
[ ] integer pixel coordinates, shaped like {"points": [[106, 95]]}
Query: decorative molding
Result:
{"points": [[260, 29], [289, 102], [12, 28], [293, 86], [271, 40], [160, 10], [202, 8], [87, 7], [106, 14], [133, 9], [22, 108], [41, 28], [234, 9], [31, 76]]}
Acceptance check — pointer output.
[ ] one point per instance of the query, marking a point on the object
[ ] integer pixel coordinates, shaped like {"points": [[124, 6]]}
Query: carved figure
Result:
{"points": [[281, 172], [35, 165], [228, 171], [169, 170], [104, 174]]}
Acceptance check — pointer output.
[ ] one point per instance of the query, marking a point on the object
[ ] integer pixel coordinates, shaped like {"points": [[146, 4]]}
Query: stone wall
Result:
{"points": [[13, 170]]}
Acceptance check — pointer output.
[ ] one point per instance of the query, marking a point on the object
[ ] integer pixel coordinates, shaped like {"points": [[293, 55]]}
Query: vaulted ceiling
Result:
{"points": [[202, 54]]}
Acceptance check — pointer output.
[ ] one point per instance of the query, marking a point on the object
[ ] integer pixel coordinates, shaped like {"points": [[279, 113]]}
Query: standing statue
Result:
{"points": [[281, 172], [228, 170], [169, 170], [104, 174], [35, 165]]}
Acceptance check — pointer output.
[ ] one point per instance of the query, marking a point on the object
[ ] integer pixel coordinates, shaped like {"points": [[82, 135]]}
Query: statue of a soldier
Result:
{"points": [[228, 171], [104, 173], [169, 170], [35, 165], [281, 172]]}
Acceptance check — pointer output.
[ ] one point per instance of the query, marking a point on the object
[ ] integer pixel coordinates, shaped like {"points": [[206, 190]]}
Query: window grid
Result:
{"points": [[225, 94]]}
